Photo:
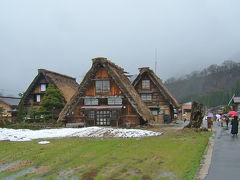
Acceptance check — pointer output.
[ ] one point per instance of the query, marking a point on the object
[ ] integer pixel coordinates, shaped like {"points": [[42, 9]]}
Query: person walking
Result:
{"points": [[234, 123], [227, 121], [221, 120]]}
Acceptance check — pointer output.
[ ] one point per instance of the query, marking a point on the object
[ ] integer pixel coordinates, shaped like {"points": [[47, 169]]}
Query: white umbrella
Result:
{"points": [[218, 116]]}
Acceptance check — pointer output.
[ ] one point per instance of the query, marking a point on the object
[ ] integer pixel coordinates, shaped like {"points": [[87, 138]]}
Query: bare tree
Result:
{"points": [[197, 115]]}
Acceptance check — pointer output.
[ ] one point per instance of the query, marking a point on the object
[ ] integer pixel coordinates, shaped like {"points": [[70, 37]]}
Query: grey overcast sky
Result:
{"points": [[64, 35]]}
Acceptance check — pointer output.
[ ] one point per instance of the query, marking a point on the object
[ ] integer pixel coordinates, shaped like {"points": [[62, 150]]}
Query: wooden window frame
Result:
{"points": [[146, 96], [102, 86], [156, 112], [38, 100], [91, 102], [146, 84], [114, 101], [91, 114], [43, 89]]}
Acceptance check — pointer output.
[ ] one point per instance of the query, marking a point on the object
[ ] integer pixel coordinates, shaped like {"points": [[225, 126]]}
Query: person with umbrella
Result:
{"points": [[219, 120], [234, 123], [226, 119]]}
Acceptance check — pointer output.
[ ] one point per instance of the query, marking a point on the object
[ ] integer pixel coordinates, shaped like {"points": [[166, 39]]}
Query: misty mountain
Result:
{"points": [[212, 86]]}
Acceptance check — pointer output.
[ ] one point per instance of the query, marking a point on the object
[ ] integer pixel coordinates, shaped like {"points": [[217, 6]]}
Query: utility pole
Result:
{"points": [[155, 60]]}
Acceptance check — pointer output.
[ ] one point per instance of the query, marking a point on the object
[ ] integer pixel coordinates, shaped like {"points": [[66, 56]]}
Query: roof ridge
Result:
{"points": [[58, 74], [105, 60]]}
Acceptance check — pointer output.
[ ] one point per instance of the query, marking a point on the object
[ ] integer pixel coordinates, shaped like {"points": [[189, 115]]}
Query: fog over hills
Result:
{"points": [[64, 36], [212, 86]]}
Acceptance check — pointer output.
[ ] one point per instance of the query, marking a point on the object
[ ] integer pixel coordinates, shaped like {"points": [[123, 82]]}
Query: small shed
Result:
{"points": [[185, 111], [236, 103], [9, 105]]}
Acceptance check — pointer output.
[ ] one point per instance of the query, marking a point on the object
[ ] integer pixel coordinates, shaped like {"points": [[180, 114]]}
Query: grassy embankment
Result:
{"points": [[33, 126], [175, 155]]}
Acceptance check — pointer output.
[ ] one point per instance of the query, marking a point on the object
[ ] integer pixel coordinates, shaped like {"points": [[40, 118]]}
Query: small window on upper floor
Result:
{"points": [[102, 86], [37, 98], [145, 84], [146, 96], [43, 87], [91, 101], [114, 101]]}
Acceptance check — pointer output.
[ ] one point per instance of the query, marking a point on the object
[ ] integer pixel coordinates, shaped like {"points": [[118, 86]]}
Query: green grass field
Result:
{"points": [[176, 155]]}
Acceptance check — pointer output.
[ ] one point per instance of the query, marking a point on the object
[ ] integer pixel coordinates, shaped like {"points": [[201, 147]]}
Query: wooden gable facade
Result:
{"points": [[155, 95], [105, 98], [37, 89]]}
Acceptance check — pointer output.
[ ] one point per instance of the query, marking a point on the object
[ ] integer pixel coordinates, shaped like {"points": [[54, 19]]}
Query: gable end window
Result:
{"points": [[146, 96], [102, 86], [145, 84], [90, 101], [43, 87]]}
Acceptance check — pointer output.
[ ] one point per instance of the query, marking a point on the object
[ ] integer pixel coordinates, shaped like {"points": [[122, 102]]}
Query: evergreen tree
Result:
{"points": [[21, 112], [1, 111], [52, 102], [32, 112]]}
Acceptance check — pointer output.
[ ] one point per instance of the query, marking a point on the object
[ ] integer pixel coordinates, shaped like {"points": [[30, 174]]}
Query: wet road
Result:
{"points": [[225, 163]]}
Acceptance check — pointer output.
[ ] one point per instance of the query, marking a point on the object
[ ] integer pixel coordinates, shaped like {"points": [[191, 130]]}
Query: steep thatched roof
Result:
{"points": [[66, 84], [117, 73], [157, 81]]}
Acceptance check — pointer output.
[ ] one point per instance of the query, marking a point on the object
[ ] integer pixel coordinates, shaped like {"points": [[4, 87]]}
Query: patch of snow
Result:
{"points": [[95, 132], [43, 142]]}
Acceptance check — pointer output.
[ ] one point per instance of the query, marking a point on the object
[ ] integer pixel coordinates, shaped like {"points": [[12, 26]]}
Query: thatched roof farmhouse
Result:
{"points": [[34, 94], [106, 97], [155, 95]]}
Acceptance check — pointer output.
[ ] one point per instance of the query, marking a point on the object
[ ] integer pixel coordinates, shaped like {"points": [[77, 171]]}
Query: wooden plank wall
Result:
{"points": [[103, 74]]}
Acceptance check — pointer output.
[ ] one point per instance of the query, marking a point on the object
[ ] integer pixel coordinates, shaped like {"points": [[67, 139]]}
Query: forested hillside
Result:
{"points": [[212, 86]]}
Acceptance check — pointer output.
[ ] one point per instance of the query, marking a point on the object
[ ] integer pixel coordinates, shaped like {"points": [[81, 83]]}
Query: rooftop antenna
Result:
{"points": [[155, 60]]}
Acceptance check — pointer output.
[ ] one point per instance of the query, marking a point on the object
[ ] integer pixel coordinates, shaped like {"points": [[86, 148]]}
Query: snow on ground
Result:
{"points": [[28, 135], [43, 142]]}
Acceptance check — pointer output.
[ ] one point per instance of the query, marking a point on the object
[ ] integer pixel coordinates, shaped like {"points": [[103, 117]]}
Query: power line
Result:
{"points": [[13, 90], [10, 97]]}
